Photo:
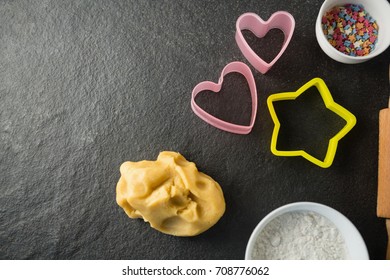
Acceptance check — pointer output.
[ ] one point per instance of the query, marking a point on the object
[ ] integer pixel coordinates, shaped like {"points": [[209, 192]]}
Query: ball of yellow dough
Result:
{"points": [[171, 194]]}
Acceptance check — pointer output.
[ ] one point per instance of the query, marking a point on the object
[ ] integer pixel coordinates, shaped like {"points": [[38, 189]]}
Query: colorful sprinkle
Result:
{"points": [[350, 29]]}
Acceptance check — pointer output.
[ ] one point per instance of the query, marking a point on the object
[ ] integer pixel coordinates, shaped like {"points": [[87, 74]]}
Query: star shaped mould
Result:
{"points": [[330, 105]]}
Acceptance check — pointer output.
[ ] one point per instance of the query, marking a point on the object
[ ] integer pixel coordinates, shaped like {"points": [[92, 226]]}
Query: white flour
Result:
{"points": [[300, 235]]}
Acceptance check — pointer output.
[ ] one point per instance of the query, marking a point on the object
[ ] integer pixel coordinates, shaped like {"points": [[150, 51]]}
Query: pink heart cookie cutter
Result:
{"points": [[238, 67], [252, 22]]}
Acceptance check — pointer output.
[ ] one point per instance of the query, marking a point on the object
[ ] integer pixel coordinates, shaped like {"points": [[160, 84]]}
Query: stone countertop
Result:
{"points": [[87, 85]]}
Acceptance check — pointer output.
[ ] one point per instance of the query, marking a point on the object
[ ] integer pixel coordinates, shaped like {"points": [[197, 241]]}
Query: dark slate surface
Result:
{"points": [[87, 85]]}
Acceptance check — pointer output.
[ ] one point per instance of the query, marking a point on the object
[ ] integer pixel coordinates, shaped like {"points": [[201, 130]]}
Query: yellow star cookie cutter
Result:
{"points": [[330, 104]]}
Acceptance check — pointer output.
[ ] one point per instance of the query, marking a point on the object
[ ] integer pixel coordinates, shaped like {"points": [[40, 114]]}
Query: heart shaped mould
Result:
{"points": [[250, 21], [238, 67]]}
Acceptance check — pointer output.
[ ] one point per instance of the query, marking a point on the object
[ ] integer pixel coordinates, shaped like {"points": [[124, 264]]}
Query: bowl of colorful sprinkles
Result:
{"points": [[353, 31], [306, 231]]}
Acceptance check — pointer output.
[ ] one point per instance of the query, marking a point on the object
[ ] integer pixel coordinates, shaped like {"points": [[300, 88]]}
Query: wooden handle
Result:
{"points": [[388, 239], [383, 206]]}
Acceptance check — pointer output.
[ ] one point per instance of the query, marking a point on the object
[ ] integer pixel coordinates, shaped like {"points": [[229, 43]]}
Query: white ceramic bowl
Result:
{"points": [[378, 9], [356, 248]]}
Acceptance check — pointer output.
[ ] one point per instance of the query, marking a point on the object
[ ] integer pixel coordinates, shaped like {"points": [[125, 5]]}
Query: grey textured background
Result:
{"points": [[86, 85]]}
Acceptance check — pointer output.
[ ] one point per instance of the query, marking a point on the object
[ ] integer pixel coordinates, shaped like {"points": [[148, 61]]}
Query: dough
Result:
{"points": [[171, 194]]}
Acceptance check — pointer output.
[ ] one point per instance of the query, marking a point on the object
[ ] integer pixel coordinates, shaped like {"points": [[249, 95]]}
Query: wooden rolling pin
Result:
{"points": [[383, 206]]}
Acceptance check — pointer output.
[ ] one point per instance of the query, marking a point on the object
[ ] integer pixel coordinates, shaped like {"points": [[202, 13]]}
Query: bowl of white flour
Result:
{"points": [[306, 231]]}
